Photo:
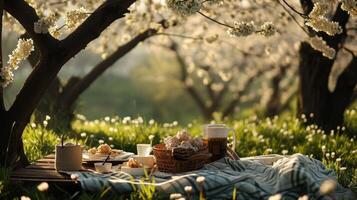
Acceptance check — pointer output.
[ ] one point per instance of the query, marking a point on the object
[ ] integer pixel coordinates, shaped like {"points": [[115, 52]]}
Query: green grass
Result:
{"points": [[286, 135]]}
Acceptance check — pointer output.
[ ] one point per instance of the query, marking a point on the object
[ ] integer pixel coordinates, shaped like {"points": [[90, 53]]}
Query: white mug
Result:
{"points": [[218, 131], [143, 149]]}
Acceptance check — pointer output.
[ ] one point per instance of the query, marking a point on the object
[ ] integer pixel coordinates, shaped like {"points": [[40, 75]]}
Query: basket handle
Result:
{"points": [[200, 155]]}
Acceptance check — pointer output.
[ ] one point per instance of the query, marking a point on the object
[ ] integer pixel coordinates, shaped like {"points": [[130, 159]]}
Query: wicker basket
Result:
{"points": [[167, 163]]}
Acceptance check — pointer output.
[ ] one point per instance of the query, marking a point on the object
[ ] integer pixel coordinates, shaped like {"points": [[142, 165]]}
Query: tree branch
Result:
{"points": [[188, 87], [71, 96], [93, 26], [27, 16], [216, 102], [58, 52], [232, 105]]}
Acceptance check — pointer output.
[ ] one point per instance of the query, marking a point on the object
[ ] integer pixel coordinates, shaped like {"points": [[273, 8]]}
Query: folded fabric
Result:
{"points": [[291, 177]]}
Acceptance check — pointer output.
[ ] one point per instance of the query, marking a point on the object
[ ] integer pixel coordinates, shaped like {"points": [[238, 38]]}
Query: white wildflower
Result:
{"points": [[140, 120], [338, 159], [151, 122], [200, 179], [327, 187], [284, 152], [42, 187], [320, 45], [25, 198], [188, 189], [275, 197], [47, 117], [184, 7], [151, 137], [343, 168], [305, 197], [33, 125], [126, 120], [83, 134], [45, 123], [101, 141], [175, 195]]}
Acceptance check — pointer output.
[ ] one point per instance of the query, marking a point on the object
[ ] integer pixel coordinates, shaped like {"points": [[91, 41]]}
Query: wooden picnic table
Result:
{"points": [[40, 171], [44, 170]]}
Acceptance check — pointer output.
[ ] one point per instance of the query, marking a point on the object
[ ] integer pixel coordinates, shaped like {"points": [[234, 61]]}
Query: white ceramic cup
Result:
{"points": [[146, 161], [143, 149]]}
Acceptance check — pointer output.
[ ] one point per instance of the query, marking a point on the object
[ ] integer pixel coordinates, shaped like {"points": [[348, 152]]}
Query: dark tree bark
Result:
{"points": [[314, 69], [53, 55], [275, 104]]}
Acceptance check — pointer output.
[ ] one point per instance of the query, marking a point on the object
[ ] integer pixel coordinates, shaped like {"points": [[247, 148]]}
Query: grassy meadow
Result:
{"points": [[278, 135]]}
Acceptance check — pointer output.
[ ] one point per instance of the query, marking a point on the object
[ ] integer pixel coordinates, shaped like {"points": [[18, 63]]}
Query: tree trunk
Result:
{"points": [[274, 104], [11, 147], [327, 107], [52, 104]]}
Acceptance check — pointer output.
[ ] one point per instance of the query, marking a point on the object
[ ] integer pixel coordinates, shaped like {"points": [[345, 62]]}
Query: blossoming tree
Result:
{"points": [[329, 28], [147, 18], [54, 53]]}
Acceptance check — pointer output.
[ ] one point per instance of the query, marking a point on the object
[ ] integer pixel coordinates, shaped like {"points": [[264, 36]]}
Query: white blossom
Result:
{"points": [[319, 22], [75, 16], [242, 29], [184, 7], [22, 51], [350, 6], [323, 24], [320, 45], [267, 29], [320, 9]]}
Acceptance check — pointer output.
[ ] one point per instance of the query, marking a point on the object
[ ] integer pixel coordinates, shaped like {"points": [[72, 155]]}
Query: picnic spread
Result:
{"points": [[182, 160]]}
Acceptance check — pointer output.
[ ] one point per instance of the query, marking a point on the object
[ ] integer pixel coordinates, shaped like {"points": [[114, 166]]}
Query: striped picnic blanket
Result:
{"points": [[291, 177]]}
